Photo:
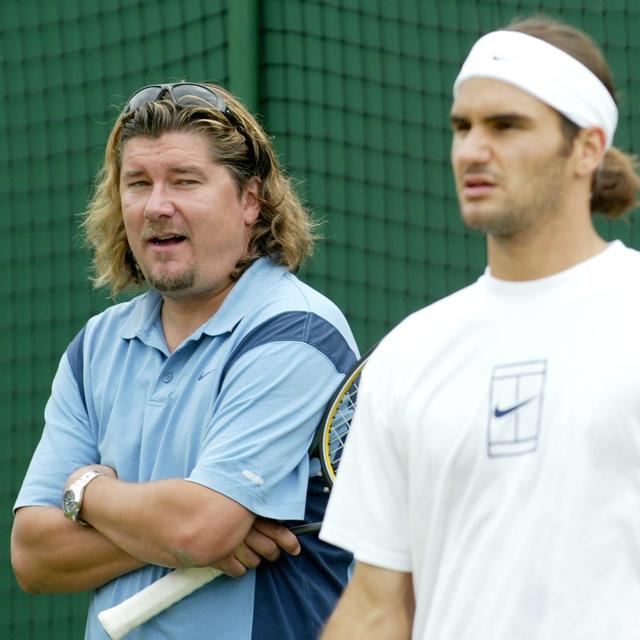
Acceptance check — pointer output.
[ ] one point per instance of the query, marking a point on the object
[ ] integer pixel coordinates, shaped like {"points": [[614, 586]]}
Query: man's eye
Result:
{"points": [[460, 127]]}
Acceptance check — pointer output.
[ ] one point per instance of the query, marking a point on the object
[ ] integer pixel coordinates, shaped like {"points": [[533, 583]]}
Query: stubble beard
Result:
{"points": [[517, 215]]}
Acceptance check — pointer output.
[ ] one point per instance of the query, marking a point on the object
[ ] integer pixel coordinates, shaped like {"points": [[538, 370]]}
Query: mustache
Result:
{"points": [[479, 170], [152, 231]]}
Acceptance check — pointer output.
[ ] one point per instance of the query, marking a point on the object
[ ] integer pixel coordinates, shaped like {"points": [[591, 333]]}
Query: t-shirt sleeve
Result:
{"points": [[367, 511], [67, 440], [255, 448]]}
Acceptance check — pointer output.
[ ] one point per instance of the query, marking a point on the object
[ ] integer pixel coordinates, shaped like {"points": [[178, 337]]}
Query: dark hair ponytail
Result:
{"points": [[616, 182]]}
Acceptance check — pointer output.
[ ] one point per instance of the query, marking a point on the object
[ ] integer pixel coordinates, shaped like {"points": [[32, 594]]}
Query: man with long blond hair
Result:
{"points": [[490, 489], [179, 421]]}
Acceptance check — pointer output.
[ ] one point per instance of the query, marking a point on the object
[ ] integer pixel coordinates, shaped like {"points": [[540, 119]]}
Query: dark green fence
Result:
{"points": [[356, 94]]}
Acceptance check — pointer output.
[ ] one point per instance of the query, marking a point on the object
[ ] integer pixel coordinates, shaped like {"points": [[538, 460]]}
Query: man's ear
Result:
{"points": [[589, 150], [251, 200]]}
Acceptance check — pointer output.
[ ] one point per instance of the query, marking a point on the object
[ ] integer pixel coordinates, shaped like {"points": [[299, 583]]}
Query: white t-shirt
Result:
{"points": [[495, 455]]}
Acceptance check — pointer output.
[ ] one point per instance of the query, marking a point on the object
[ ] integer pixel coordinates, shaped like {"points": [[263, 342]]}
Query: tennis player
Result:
{"points": [[490, 488], [177, 430]]}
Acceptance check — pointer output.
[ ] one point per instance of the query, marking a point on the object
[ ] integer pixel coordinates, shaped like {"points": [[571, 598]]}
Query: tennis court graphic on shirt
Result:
{"points": [[515, 408]]}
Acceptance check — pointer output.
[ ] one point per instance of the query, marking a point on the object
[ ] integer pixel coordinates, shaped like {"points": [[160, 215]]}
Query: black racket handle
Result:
{"points": [[303, 529]]}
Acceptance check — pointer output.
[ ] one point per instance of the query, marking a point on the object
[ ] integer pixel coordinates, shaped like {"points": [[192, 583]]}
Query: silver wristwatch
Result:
{"points": [[72, 497]]}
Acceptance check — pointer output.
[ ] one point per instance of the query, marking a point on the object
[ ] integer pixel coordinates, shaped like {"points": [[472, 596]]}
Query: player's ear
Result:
{"points": [[589, 149], [251, 200]]}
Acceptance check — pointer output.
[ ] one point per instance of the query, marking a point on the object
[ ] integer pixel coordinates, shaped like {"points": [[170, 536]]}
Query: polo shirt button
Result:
{"points": [[167, 377]]}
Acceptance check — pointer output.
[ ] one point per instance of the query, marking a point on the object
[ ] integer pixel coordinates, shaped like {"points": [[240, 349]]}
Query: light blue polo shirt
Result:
{"points": [[233, 408]]}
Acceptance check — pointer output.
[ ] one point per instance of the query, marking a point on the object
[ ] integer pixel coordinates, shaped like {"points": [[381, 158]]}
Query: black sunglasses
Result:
{"points": [[188, 94]]}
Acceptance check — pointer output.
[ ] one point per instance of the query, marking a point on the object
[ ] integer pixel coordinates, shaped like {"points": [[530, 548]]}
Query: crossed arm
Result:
{"points": [[173, 523]]}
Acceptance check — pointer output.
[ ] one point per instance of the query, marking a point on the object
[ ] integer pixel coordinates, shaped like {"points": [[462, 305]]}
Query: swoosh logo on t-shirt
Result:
{"points": [[500, 413]]}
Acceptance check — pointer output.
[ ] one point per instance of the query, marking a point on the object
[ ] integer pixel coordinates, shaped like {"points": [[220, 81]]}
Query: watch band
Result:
{"points": [[73, 496]]}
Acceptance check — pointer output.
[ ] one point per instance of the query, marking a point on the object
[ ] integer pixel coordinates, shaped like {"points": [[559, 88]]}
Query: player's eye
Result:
{"points": [[460, 126], [507, 124]]}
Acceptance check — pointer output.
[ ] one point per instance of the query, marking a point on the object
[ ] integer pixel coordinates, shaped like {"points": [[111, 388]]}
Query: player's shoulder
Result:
{"points": [[272, 305], [618, 268], [427, 326], [118, 319], [620, 253], [292, 297], [292, 290], [438, 315]]}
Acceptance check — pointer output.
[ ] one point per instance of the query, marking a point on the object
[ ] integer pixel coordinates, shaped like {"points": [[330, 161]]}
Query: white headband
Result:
{"points": [[547, 73]]}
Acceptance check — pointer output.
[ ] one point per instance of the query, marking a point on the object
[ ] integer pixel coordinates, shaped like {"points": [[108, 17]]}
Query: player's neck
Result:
{"points": [[181, 316], [544, 252]]}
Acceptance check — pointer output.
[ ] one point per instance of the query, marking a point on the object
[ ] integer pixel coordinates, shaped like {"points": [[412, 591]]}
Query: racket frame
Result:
{"points": [[322, 439]]}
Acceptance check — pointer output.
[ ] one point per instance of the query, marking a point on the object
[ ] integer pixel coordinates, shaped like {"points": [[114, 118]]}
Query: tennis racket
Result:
{"points": [[327, 444]]}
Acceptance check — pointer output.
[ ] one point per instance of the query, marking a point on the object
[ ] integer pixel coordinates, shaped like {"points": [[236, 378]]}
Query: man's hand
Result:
{"points": [[266, 539]]}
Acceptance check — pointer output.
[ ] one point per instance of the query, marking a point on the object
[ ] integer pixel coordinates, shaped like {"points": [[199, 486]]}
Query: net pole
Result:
{"points": [[243, 33]]}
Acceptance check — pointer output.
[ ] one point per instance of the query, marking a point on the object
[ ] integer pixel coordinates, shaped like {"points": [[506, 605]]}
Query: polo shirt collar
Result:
{"points": [[144, 316]]}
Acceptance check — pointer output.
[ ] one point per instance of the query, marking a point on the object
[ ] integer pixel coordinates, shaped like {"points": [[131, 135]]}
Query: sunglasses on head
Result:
{"points": [[188, 94]]}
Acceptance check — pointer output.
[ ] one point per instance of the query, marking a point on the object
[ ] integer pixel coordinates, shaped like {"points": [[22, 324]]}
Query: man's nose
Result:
{"points": [[158, 203], [472, 148]]}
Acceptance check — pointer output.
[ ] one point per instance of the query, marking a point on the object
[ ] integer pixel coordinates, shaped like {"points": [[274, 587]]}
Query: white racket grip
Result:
{"points": [[153, 599]]}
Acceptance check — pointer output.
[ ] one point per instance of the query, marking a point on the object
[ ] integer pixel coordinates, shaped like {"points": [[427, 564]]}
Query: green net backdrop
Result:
{"points": [[356, 94]]}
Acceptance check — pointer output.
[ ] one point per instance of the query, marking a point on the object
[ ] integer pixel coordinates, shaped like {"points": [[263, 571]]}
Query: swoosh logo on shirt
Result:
{"points": [[500, 413], [206, 373]]}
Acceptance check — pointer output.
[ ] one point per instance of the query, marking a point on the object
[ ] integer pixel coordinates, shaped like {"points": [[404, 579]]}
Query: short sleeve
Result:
{"points": [[255, 449], [67, 440], [367, 511]]}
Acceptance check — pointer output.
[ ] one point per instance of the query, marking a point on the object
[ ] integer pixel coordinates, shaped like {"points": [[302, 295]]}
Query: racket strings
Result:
{"points": [[340, 425]]}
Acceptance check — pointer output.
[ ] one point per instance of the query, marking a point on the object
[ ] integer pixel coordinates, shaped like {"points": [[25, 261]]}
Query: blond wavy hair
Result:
{"points": [[284, 229]]}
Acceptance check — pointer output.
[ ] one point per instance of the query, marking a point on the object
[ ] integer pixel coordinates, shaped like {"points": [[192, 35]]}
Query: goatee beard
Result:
{"points": [[170, 283]]}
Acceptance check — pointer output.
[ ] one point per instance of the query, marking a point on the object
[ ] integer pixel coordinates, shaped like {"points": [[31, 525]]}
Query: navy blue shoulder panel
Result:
{"points": [[75, 355], [297, 326]]}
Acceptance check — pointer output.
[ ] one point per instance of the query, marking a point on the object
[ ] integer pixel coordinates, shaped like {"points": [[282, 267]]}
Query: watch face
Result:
{"points": [[69, 503]]}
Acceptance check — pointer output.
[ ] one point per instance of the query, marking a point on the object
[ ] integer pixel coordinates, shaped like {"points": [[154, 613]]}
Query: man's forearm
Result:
{"points": [[173, 523], [378, 604], [50, 554]]}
